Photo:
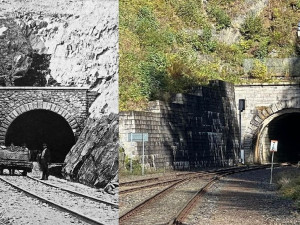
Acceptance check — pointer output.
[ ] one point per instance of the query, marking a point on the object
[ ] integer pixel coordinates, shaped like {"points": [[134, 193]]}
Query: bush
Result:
{"points": [[252, 27], [262, 50], [146, 22], [222, 19], [289, 185], [152, 73], [245, 45], [259, 71], [190, 12], [203, 43], [136, 165]]}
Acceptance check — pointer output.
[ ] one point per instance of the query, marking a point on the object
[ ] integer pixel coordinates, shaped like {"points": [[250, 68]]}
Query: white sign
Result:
{"points": [[273, 147], [137, 137]]}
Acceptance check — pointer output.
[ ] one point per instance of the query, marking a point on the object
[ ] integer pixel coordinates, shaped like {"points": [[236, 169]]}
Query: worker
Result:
{"points": [[12, 149], [45, 159]]}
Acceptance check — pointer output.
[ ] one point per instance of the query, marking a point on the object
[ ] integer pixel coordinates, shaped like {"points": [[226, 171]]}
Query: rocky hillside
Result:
{"points": [[69, 43], [172, 46]]}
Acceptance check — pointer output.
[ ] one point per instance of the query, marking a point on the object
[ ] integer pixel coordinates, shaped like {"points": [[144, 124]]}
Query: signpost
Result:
{"points": [[273, 148], [143, 137], [241, 109]]}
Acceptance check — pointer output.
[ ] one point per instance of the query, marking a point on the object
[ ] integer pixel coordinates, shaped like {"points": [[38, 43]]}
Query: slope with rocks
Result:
{"points": [[169, 47]]}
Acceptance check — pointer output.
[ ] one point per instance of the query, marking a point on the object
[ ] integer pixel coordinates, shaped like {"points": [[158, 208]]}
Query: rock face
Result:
{"points": [[94, 160], [75, 43], [15, 51]]}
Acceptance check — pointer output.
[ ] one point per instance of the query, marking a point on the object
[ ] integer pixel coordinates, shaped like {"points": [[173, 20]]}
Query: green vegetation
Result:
{"points": [[252, 27], [259, 71], [289, 185], [136, 167], [221, 18], [170, 46]]}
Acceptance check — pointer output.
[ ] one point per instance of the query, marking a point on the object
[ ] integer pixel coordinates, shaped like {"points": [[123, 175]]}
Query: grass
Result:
{"points": [[289, 185], [164, 44]]}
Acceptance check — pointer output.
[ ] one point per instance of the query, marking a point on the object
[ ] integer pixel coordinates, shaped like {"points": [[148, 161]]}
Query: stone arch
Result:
{"points": [[264, 115], [35, 105]]}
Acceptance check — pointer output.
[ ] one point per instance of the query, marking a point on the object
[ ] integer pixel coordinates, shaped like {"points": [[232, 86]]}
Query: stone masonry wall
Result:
{"points": [[279, 67], [194, 130], [258, 97], [70, 103]]}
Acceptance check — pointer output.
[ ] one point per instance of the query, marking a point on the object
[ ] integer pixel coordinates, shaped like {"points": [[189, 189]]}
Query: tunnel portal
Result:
{"points": [[36, 127], [285, 129]]}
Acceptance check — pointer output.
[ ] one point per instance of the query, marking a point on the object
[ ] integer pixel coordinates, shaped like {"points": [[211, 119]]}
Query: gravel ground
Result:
{"points": [[163, 209], [74, 186], [85, 206], [128, 201], [245, 198], [19, 209], [98, 193]]}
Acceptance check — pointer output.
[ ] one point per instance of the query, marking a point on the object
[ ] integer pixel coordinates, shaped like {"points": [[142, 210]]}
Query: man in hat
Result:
{"points": [[44, 161]]}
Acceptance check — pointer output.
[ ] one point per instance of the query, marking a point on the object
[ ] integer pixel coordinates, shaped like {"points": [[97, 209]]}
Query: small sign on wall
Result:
{"points": [[137, 137], [273, 147]]}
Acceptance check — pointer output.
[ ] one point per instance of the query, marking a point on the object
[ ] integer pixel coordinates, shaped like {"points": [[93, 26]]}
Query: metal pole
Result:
{"points": [[143, 155], [131, 164], [131, 153], [240, 144], [272, 167]]}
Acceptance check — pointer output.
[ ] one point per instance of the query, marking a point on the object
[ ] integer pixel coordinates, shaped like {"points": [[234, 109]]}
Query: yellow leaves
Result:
{"points": [[260, 71], [176, 66]]}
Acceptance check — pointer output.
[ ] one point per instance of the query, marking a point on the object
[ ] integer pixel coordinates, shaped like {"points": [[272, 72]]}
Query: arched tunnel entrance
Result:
{"points": [[285, 129], [42, 126]]}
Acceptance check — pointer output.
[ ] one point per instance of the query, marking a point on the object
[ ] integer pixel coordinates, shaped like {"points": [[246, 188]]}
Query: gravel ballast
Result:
{"points": [[245, 198]]}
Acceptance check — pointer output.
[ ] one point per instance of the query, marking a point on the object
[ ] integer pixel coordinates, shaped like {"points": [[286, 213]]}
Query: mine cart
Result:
{"points": [[15, 158]]}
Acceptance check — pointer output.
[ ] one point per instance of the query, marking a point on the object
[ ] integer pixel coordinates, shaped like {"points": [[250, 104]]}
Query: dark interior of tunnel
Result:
{"points": [[286, 129], [41, 126]]}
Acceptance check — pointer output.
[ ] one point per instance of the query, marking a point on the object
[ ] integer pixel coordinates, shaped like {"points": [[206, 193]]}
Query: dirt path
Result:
{"points": [[246, 199]]}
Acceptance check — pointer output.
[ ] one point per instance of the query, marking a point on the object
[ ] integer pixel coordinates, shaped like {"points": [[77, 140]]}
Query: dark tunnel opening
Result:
{"points": [[41, 126], [285, 129]]}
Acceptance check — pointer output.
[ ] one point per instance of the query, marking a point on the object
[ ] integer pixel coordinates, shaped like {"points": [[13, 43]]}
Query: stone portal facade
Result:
{"points": [[193, 130], [201, 129], [69, 102], [264, 102]]}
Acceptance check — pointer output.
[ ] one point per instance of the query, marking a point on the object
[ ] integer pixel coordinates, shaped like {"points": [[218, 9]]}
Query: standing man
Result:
{"points": [[44, 161]]}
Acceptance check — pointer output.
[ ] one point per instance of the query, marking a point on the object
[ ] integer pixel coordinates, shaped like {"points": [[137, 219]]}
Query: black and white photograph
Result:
{"points": [[59, 112]]}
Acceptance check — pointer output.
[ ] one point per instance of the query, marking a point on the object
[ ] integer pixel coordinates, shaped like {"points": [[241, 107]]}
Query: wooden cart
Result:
{"points": [[15, 158]]}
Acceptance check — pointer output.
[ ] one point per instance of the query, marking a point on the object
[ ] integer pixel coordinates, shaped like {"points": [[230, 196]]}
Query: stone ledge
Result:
{"points": [[43, 88], [285, 83]]}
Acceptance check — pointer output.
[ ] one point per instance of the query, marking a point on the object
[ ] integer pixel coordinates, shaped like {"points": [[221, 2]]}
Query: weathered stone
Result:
{"points": [[94, 158], [190, 132], [21, 103]]}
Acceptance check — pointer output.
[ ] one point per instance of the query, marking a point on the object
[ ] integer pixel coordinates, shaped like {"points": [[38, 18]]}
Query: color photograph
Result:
{"points": [[209, 112]]}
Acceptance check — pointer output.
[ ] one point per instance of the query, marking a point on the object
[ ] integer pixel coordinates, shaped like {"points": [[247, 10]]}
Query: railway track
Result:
{"points": [[113, 205], [162, 181], [154, 179], [87, 208], [185, 187]]}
